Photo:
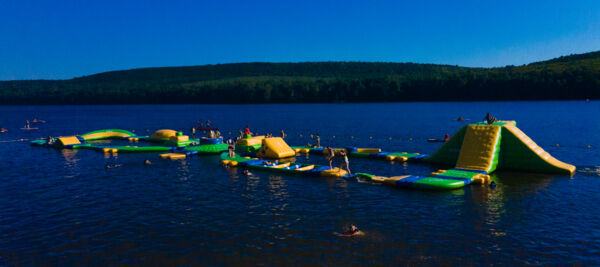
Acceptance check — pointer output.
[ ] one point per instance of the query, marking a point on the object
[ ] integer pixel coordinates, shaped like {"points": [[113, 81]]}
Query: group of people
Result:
{"points": [[269, 135], [317, 140], [342, 153]]}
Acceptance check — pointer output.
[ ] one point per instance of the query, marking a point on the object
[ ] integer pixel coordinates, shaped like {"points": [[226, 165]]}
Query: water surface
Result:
{"points": [[63, 207]]}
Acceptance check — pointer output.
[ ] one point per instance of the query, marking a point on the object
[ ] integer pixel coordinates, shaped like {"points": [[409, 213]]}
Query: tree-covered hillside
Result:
{"points": [[568, 77]]}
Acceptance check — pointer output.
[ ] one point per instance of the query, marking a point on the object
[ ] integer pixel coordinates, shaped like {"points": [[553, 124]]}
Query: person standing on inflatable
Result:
{"points": [[343, 153], [330, 156], [230, 147], [247, 133]]}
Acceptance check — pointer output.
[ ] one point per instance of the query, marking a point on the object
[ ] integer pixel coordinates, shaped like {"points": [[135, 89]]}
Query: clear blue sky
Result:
{"points": [[64, 38]]}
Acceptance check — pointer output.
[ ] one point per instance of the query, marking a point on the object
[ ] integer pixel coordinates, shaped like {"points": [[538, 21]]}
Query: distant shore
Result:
{"points": [[574, 77]]}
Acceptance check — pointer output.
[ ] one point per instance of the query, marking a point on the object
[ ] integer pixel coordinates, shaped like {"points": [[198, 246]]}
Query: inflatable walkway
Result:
{"points": [[168, 140], [282, 167], [371, 153]]}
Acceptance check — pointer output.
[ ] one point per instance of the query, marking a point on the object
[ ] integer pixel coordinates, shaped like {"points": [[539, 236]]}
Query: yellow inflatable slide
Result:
{"points": [[275, 148]]}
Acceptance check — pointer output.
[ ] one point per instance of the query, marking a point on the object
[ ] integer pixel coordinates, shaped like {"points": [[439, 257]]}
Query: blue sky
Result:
{"points": [[65, 39]]}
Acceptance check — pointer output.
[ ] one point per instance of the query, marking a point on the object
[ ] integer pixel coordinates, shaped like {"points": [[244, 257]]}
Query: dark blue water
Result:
{"points": [[63, 207]]}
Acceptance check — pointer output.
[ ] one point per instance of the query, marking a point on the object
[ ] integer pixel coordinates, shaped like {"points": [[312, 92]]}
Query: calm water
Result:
{"points": [[63, 207]]}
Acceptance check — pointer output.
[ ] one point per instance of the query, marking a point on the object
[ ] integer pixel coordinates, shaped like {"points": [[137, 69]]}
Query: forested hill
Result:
{"points": [[567, 77]]}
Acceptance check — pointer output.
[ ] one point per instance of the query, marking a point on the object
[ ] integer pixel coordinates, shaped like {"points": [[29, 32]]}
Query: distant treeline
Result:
{"points": [[569, 77]]}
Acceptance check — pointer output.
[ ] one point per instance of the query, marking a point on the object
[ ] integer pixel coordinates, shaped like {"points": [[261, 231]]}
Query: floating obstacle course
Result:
{"points": [[475, 151]]}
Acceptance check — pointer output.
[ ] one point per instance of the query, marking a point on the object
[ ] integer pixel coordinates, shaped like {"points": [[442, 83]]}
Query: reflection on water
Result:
{"points": [[70, 157]]}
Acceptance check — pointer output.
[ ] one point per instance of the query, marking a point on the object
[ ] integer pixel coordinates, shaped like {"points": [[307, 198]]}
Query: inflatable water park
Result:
{"points": [[469, 157]]}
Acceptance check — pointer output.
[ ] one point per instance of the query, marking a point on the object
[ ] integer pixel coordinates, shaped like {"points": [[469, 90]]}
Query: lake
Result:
{"points": [[64, 208]]}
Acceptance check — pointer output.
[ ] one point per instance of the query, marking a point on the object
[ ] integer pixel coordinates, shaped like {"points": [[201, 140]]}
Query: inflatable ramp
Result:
{"points": [[107, 134], [520, 153], [275, 148], [480, 148]]}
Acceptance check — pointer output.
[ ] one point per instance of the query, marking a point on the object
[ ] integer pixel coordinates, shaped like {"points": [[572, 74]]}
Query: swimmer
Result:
{"points": [[147, 162], [111, 166], [350, 231], [247, 173]]}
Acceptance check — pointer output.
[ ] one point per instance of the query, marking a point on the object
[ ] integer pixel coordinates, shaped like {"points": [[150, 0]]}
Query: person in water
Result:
{"points": [[111, 166], [343, 153], [330, 156], [147, 162], [489, 119], [460, 118], [446, 138], [231, 147], [350, 231], [247, 173]]}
